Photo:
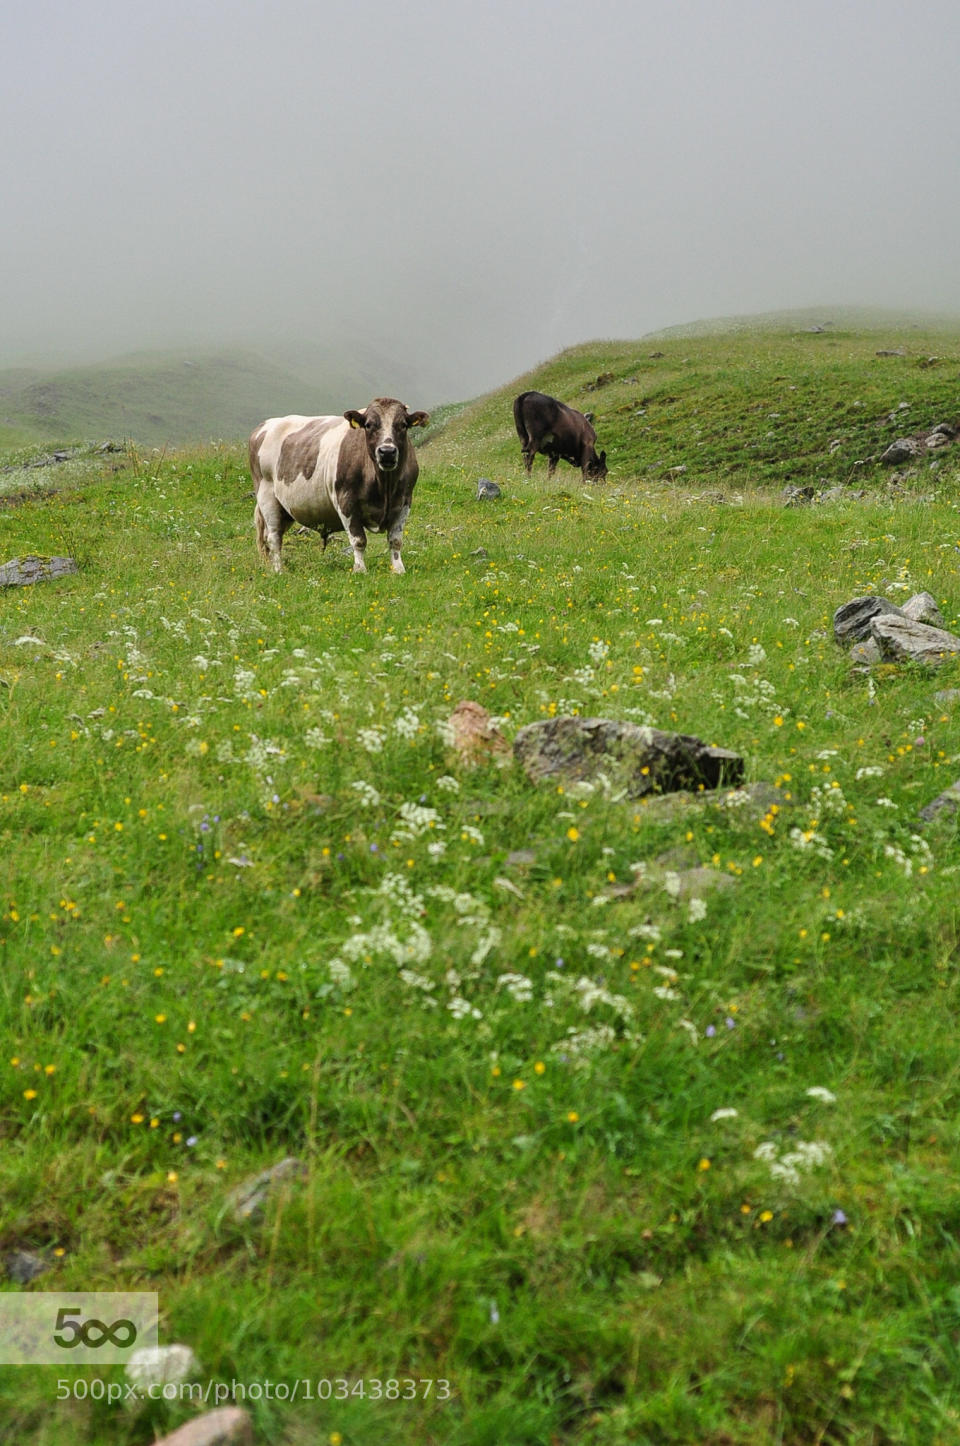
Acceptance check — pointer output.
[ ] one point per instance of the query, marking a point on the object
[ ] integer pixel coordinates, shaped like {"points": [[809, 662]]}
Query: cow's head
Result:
{"points": [[595, 467], [384, 423]]}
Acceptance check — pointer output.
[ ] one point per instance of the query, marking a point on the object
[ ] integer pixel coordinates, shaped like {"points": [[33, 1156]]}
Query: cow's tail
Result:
{"points": [[518, 417], [256, 476]]}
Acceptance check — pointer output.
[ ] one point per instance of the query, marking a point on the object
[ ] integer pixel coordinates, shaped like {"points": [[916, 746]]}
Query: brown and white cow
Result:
{"points": [[336, 474], [551, 427]]}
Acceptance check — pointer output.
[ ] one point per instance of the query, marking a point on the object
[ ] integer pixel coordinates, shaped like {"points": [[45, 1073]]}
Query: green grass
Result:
{"points": [[735, 410], [213, 934]]}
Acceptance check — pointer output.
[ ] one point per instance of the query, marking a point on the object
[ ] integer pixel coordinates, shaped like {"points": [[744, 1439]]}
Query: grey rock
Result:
{"points": [[161, 1365], [867, 653], [229, 1426], [946, 805], [903, 640], [637, 760], [752, 802], [922, 608], [487, 490], [892, 351], [947, 697], [851, 621], [23, 1266], [797, 496], [937, 439], [904, 449], [23, 571], [694, 883], [520, 859], [248, 1200], [943, 429]]}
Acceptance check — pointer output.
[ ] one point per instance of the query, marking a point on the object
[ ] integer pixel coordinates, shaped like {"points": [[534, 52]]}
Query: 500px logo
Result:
{"points": [[46, 1328], [93, 1333]]}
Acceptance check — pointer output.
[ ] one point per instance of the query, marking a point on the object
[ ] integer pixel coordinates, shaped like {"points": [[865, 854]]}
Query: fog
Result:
{"points": [[466, 188]]}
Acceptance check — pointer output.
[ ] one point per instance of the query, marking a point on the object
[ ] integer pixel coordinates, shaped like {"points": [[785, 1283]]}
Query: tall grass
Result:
{"points": [[618, 1161]]}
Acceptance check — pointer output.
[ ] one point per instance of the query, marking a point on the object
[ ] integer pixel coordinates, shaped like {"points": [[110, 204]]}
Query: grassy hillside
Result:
{"points": [[735, 409], [154, 399], [621, 1122]]}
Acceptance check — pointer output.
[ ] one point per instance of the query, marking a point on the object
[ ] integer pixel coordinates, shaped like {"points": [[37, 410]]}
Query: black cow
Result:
{"points": [[551, 427]]}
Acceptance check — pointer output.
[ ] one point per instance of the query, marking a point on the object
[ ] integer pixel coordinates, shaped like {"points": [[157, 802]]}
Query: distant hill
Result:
{"points": [[175, 398], [815, 319], [786, 400]]}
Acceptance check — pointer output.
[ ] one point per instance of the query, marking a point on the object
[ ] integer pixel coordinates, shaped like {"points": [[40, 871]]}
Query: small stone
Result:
{"points": [[228, 1426], [947, 697], [904, 449], [797, 496], [23, 1266], [520, 859], [474, 734], [487, 490], [161, 1365], [248, 1200], [867, 653], [947, 804]]}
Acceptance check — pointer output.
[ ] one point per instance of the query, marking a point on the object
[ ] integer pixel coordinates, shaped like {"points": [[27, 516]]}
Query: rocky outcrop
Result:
{"points": [[626, 758], [878, 631]]}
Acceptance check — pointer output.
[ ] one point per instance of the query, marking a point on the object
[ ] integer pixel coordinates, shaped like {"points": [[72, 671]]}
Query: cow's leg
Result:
{"points": [[552, 463], [353, 527], [271, 521], [528, 455], [395, 528]]}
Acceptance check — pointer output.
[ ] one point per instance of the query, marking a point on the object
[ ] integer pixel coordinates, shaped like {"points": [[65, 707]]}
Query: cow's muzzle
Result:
{"points": [[387, 457]]}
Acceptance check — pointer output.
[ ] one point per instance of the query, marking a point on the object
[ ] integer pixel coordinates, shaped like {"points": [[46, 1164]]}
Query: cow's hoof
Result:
{"points": [[359, 567], [397, 567]]}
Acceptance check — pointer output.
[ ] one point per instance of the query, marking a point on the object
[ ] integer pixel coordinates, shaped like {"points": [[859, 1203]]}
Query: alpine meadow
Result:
{"points": [[609, 1119]]}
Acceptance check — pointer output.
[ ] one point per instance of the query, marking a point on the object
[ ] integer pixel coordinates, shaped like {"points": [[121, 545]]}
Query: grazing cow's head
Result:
{"points": [[595, 468], [384, 423]]}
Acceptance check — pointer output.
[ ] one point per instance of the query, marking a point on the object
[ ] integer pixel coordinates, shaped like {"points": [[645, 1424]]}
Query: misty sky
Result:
{"points": [[467, 187]]}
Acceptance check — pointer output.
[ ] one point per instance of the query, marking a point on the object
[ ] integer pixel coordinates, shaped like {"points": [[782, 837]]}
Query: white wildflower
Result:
{"points": [[819, 1092], [697, 910], [518, 986], [407, 724], [372, 739], [447, 784], [416, 819], [369, 797], [724, 1114]]}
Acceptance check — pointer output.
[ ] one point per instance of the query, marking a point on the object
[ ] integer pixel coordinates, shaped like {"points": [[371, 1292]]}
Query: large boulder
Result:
{"points": [[900, 639], [23, 571], [629, 759], [851, 621]]}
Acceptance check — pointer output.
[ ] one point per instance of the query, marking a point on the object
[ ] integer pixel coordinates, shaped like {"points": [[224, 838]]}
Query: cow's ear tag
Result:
{"points": [[354, 422]]}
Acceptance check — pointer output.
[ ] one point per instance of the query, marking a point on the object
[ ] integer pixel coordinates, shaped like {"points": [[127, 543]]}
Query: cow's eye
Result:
{"points": [[370, 424]]}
